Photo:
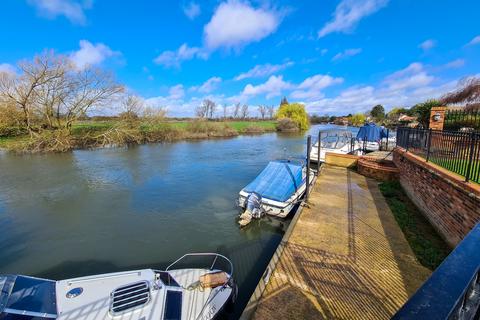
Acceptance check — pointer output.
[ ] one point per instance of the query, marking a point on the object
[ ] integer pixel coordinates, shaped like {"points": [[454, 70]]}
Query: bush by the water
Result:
{"points": [[287, 125], [296, 113]]}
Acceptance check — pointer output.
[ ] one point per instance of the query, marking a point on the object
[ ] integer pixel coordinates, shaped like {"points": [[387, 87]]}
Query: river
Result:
{"points": [[106, 210]]}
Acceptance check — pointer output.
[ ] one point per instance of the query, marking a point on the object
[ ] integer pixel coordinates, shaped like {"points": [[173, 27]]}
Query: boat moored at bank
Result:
{"points": [[173, 293]]}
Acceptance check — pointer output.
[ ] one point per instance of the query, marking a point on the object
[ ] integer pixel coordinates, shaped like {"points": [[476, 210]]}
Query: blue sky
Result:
{"points": [[336, 57]]}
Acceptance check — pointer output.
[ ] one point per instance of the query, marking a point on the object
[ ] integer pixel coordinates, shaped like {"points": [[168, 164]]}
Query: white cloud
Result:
{"points": [[175, 58], [7, 68], [192, 10], [402, 88], [91, 54], [349, 13], [427, 44], [458, 63], [346, 54], [474, 41], [311, 88], [411, 77], [236, 23], [176, 92], [72, 10], [263, 70], [208, 86], [274, 86]]}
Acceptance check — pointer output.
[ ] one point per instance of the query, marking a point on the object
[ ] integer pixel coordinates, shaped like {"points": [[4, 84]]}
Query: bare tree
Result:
{"points": [[468, 93], [210, 106], [236, 110], [50, 87], [132, 106], [244, 112], [201, 111], [262, 110], [225, 109], [270, 111]]}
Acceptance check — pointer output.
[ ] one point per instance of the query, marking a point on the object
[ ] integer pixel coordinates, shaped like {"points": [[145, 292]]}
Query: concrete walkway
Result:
{"points": [[346, 257]]}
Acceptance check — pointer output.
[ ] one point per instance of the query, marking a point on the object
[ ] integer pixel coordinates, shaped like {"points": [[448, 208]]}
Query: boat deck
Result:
{"points": [[344, 257]]}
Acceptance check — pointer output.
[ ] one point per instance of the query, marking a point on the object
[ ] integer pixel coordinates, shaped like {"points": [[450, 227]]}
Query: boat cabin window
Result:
{"points": [[335, 140], [27, 296]]}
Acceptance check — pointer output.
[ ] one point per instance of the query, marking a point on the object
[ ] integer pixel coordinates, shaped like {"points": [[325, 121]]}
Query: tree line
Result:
{"points": [[207, 110]]}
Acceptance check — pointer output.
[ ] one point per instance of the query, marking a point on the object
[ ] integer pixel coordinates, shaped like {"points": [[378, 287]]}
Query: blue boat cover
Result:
{"points": [[278, 181], [371, 132]]}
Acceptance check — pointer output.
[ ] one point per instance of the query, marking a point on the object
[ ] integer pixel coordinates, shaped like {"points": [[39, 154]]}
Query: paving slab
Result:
{"points": [[346, 257]]}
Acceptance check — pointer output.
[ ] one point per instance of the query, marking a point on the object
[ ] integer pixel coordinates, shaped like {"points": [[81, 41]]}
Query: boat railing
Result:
{"points": [[216, 258]]}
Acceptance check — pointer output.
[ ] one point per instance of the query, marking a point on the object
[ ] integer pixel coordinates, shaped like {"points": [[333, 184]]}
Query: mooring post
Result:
{"points": [[319, 147], [309, 146]]}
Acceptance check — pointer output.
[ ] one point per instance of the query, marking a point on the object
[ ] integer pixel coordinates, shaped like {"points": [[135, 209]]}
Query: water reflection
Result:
{"points": [[68, 215]]}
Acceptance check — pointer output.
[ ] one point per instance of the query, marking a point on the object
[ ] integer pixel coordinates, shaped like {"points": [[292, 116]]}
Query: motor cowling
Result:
{"points": [[254, 205]]}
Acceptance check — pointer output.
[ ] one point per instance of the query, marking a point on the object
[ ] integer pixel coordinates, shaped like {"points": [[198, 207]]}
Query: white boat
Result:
{"points": [[334, 141], [173, 293], [275, 191]]}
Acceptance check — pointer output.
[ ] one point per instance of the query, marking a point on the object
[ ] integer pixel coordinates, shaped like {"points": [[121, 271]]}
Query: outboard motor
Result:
{"points": [[254, 205], [253, 209]]}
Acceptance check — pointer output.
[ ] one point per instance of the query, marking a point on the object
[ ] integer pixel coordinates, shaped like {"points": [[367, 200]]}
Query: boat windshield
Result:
{"points": [[335, 139], [31, 297]]}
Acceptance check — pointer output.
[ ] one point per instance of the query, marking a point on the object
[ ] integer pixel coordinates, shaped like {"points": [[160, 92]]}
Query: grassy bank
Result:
{"points": [[92, 134], [427, 245]]}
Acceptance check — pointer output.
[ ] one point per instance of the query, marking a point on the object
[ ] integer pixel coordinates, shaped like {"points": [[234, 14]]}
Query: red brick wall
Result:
{"points": [[450, 204]]}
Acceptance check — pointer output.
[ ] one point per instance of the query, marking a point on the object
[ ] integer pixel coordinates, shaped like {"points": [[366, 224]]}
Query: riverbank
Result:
{"points": [[98, 134]]}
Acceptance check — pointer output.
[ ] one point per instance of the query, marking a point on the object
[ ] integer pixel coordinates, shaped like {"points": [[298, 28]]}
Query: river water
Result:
{"points": [[106, 210]]}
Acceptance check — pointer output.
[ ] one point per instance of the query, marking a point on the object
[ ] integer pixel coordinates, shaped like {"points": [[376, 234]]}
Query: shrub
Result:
{"points": [[296, 112], [287, 125]]}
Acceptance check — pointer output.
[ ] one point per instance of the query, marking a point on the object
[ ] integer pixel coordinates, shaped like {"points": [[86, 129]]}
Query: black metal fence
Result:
{"points": [[456, 151], [457, 119]]}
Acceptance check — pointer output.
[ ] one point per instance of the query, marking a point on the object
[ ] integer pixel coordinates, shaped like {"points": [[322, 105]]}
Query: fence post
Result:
{"points": [[309, 146], [388, 136], [408, 138], [470, 160], [429, 143]]}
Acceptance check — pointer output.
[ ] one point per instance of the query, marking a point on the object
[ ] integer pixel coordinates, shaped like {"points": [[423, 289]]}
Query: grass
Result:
{"points": [[427, 245]]}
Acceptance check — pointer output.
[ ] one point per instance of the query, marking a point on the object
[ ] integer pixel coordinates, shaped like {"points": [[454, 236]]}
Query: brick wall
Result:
{"points": [[450, 204]]}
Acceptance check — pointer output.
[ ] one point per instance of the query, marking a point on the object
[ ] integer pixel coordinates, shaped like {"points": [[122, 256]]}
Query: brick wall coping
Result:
{"points": [[470, 188]]}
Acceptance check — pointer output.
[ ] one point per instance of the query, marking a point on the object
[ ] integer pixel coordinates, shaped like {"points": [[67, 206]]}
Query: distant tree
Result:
{"points": [[132, 106], [284, 101], [270, 111], [262, 110], [210, 106], [332, 119], [357, 119], [378, 112], [468, 94], [236, 110], [296, 112], [201, 111], [422, 111], [225, 109], [244, 111]]}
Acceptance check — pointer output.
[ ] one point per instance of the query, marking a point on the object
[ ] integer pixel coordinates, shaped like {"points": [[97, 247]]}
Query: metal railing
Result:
{"points": [[453, 289], [456, 151], [456, 119]]}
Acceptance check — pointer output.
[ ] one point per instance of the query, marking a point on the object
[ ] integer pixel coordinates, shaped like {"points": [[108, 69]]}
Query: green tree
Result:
{"points": [[378, 112], [296, 112], [357, 119], [422, 111]]}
